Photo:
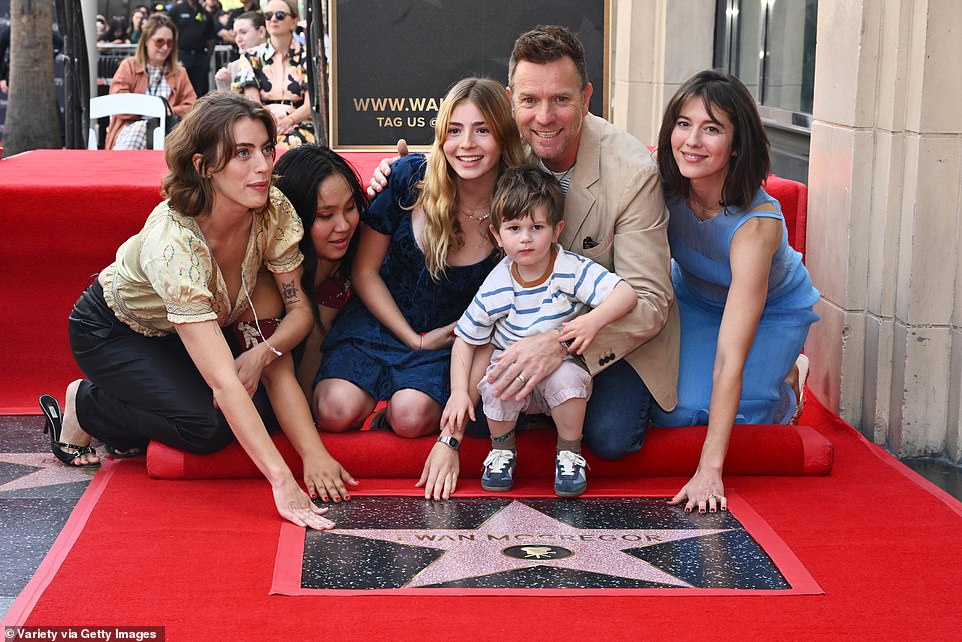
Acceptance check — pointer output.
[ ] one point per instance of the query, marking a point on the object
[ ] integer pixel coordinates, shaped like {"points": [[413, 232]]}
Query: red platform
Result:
{"points": [[65, 213]]}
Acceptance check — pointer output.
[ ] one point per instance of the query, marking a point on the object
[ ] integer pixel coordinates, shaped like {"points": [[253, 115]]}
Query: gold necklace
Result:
{"points": [[703, 212], [471, 213]]}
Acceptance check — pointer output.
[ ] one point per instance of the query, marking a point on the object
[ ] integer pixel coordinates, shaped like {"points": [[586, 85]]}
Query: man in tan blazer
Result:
{"points": [[614, 214]]}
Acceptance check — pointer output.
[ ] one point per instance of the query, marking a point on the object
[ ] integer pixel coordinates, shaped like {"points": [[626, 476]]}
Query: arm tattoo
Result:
{"points": [[289, 292]]}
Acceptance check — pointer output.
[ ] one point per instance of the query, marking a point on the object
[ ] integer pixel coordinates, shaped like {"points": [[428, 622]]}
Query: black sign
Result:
{"points": [[393, 61]]}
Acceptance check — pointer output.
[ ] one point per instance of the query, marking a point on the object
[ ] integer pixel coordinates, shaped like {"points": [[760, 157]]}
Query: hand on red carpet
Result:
{"points": [[705, 491], [324, 477], [295, 506], [440, 474], [524, 364]]}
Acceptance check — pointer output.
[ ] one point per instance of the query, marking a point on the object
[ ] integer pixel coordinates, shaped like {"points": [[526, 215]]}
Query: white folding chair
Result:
{"points": [[138, 104]]}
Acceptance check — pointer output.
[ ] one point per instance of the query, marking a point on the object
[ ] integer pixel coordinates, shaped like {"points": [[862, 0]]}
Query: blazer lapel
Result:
{"points": [[580, 200]]}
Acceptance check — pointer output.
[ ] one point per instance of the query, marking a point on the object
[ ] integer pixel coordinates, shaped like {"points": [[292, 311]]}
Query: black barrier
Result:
{"points": [[392, 62]]}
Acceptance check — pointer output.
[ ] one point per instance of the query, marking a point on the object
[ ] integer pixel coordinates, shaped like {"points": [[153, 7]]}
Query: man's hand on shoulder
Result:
{"points": [[383, 170]]}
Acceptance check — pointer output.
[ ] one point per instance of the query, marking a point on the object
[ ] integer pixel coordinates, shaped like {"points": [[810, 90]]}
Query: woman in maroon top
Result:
{"points": [[327, 194]]}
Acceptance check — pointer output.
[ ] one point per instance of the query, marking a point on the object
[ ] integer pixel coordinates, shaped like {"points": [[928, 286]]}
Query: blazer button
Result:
{"points": [[602, 361]]}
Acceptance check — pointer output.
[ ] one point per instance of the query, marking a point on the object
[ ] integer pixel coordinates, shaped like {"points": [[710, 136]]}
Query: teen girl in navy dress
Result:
{"points": [[424, 251]]}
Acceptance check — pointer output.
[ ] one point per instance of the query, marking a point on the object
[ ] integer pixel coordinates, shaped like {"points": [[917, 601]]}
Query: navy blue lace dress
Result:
{"points": [[364, 352]]}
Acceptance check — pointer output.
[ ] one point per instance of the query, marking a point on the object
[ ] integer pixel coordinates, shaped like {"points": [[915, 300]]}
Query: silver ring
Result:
{"points": [[522, 379]]}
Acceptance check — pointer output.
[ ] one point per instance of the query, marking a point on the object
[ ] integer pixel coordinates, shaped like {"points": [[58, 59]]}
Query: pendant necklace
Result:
{"points": [[701, 212], [472, 213]]}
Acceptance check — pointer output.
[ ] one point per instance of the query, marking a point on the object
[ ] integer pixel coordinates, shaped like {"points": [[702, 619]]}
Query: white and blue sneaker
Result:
{"points": [[498, 475], [569, 476]]}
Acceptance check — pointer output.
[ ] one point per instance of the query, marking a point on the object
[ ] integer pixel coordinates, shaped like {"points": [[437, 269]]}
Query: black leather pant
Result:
{"points": [[140, 389]]}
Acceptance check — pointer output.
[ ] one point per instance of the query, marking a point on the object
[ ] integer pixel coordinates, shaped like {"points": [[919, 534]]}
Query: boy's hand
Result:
{"points": [[458, 409], [580, 332]]}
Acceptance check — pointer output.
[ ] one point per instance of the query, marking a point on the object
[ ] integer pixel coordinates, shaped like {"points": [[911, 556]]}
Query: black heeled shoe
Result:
{"points": [[66, 453]]}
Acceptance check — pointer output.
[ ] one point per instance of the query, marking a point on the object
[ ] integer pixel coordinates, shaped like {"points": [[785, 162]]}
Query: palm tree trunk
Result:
{"points": [[32, 107]]}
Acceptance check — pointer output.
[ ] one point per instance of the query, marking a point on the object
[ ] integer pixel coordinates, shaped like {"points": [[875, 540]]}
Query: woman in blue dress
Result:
{"points": [[424, 251], [744, 296]]}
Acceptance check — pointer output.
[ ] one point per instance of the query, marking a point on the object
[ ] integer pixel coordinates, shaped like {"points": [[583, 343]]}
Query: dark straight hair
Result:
{"points": [[299, 173], [750, 162]]}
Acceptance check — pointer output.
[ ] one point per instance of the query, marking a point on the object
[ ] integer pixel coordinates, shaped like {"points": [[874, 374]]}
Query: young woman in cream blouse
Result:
{"points": [[152, 332]]}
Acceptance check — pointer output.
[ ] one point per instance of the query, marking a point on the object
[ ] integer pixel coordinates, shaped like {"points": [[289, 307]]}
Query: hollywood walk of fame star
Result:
{"points": [[48, 471], [479, 551]]}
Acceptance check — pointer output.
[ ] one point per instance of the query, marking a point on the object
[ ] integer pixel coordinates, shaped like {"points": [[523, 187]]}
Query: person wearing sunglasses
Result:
{"points": [[153, 70], [275, 75]]}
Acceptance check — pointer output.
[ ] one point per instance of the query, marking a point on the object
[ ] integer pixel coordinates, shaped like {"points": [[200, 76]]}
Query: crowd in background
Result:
{"points": [[119, 29], [268, 61]]}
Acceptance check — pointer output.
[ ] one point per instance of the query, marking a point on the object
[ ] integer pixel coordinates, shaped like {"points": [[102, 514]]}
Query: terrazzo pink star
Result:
{"points": [[538, 537]]}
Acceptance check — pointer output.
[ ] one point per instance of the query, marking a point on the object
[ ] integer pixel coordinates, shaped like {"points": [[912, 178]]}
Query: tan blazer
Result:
{"points": [[131, 78], [615, 215]]}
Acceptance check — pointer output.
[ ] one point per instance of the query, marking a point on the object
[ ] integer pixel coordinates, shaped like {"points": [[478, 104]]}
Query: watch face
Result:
{"points": [[450, 441]]}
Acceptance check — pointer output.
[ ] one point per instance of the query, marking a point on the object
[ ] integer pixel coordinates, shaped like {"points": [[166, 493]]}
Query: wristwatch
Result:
{"points": [[448, 440]]}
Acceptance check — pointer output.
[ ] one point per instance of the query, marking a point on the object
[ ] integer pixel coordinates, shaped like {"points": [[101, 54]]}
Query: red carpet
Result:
{"points": [[197, 557], [75, 208]]}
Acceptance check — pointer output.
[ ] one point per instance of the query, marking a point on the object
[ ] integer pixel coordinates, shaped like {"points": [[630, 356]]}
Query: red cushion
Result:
{"points": [[668, 452], [793, 197]]}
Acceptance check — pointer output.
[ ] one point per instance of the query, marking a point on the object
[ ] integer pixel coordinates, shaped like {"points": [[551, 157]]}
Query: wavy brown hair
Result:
{"points": [[208, 130], [750, 162], [151, 25], [438, 191]]}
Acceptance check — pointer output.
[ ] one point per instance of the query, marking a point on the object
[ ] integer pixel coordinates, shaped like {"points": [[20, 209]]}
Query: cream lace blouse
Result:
{"points": [[166, 274]]}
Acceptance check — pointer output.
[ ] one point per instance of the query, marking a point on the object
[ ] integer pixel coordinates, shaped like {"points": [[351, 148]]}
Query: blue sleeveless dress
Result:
{"points": [[701, 275]]}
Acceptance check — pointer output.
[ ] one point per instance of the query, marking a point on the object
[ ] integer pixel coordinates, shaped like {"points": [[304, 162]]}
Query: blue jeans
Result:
{"points": [[618, 412], [617, 418]]}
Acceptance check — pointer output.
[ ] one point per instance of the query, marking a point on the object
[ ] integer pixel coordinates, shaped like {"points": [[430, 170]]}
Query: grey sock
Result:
{"points": [[574, 445]]}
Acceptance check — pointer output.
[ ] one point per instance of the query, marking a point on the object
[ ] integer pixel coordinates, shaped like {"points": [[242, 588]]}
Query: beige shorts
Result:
{"points": [[569, 381]]}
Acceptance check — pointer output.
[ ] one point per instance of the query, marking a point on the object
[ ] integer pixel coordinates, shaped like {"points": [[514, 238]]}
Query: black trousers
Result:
{"points": [[141, 389], [197, 64]]}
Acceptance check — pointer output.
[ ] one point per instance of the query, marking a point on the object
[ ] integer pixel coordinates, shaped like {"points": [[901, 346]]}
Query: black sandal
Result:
{"points": [[66, 453]]}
